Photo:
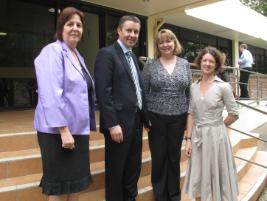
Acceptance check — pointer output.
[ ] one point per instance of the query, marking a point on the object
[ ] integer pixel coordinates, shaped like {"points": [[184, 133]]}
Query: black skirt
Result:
{"points": [[65, 171]]}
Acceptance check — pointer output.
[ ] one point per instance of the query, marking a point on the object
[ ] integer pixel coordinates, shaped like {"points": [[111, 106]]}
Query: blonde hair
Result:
{"points": [[171, 36]]}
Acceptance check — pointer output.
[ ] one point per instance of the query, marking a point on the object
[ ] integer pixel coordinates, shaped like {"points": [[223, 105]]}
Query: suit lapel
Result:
{"points": [[84, 66], [70, 57], [126, 64], [123, 59]]}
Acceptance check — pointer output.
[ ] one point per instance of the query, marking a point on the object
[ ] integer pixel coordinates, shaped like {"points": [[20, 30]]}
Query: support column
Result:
{"points": [[153, 25], [235, 56]]}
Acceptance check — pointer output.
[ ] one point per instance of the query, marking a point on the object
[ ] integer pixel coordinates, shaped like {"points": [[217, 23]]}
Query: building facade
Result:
{"points": [[28, 25]]}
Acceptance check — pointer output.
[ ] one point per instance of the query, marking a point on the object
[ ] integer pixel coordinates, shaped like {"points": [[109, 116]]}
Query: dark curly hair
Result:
{"points": [[217, 55]]}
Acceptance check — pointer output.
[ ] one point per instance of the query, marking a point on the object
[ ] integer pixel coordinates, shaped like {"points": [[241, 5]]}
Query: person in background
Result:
{"points": [[211, 171], [65, 111], [245, 63], [120, 95], [167, 80]]}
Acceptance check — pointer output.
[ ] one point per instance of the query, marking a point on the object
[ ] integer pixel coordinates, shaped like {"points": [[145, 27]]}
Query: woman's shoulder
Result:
{"points": [[50, 51], [222, 84], [194, 84], [54, 47], [150, 63], [182, 60]]}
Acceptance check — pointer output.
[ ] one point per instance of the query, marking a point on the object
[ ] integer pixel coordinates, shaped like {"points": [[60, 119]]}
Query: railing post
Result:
{"points": [[258, 87], [237, 81]]}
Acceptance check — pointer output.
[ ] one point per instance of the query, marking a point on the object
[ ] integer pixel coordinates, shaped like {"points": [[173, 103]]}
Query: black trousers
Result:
{"points": [[165, 140], [243, 83], [123, 164]]}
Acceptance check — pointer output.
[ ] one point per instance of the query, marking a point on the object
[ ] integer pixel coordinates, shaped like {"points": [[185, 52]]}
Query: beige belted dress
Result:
{"points": [[211, 171]]}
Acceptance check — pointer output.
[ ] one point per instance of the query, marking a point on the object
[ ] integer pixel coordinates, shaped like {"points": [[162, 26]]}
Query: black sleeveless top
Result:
{"points": [[88, 79]]}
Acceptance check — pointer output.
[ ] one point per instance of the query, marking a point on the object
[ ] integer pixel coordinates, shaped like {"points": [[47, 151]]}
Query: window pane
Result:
{"points": [[207, 39], [89, 45], [191, 50], [29, 28], [190, 35]]}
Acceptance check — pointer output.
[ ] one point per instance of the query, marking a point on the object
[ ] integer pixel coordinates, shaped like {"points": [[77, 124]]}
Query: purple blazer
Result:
{"points": [[63, 98]]}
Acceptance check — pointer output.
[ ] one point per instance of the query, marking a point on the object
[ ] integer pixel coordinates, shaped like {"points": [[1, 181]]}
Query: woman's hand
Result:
{"points": [[188, 148], [66, 138]]}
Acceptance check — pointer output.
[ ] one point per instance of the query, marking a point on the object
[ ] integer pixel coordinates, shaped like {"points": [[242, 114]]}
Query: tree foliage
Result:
{"points": [[258, 5]]}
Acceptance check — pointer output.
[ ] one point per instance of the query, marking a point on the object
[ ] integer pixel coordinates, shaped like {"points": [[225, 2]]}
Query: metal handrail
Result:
{"points": [[252, 162], [250, 135], [236, 82], [247, 134], [251, 107]]}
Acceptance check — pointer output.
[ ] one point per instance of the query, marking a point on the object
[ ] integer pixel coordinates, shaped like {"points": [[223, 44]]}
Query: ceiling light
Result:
{"points": [[51, 10]]}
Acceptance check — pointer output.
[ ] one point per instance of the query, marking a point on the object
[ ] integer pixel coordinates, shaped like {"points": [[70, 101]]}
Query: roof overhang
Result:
{"points": [[233, 20], [224, 18], [146, 7]]}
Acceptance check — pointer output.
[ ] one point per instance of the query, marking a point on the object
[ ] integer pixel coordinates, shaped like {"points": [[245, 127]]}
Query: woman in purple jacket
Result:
{"points": [[65, 112]]}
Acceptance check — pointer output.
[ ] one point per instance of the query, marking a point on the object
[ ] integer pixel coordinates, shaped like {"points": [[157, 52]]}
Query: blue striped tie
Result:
{"points": [[135, 78]]}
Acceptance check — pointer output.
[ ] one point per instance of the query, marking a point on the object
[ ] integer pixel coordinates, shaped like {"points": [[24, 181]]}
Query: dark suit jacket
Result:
{"points": [[115, 89]]}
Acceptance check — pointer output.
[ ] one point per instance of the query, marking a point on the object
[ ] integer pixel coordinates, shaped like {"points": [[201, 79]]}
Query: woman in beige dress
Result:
{"points": [[211, 171]]}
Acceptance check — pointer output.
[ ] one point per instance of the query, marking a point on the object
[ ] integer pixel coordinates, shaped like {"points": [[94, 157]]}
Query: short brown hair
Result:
{"points": [[171, 36], [128, 18], [217, 55], [65, 15]]}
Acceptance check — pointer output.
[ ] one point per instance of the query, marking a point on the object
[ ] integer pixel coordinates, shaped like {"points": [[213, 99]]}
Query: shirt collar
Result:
{"points": [[216, 78], [123, 47]]}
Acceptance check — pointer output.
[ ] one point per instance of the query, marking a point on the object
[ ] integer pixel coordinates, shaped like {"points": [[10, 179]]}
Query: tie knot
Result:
{"points": [[129, 53]]}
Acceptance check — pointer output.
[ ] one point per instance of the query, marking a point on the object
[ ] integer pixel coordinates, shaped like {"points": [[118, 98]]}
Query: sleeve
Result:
{"points": [[191, 101], [229, 100], [189, 75], [242, 59], [103, 71], [146, 76], [49, 69]]}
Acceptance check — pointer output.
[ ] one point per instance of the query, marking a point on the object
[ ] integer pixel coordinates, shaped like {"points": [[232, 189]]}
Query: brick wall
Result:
{"points": [[252, 85]]}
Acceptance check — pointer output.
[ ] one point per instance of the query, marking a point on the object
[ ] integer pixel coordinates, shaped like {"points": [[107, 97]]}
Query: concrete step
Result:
{"points": [[255, 179], [145, 192], [24, 162], [243, 166], [255, 176], [21, 120], [28, 140], [16, 121], [16, 188], [21, 185], [20, 164]]}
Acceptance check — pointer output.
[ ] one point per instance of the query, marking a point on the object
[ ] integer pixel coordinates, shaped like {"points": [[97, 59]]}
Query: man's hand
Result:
{"points": [[116, 134]]}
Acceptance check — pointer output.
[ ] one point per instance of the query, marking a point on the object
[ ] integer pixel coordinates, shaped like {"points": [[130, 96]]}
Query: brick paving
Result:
{"points": [[16, 121], [19, 121]]}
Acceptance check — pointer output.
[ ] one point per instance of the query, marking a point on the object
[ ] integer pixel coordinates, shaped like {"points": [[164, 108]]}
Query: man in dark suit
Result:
{"points": [[121, 101]]}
